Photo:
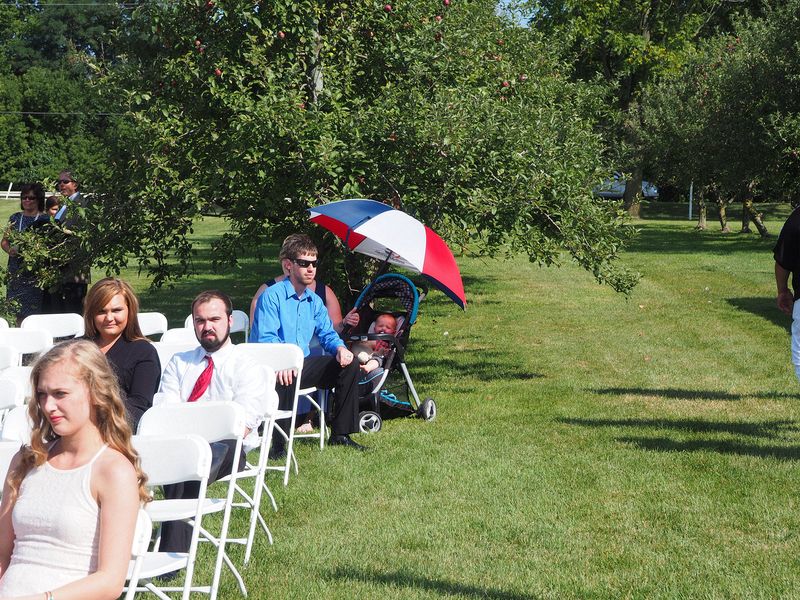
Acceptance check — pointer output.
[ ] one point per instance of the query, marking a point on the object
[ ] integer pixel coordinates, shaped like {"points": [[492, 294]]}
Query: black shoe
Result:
{"points": [[170, 577], [277, 452], [344, 440]]}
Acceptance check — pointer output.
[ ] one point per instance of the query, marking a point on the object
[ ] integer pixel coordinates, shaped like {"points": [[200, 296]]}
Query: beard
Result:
{"points": [[212, 345]]}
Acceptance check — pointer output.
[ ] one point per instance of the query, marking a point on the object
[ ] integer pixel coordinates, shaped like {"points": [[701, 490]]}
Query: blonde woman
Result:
{"points": [[71, 498]]}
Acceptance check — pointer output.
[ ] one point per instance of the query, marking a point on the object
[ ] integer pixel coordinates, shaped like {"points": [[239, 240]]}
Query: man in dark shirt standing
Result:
{"points": [[787, 262]]}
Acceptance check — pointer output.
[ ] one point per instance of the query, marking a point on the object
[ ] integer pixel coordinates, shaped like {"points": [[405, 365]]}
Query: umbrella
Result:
{"points": [[388, 234]]}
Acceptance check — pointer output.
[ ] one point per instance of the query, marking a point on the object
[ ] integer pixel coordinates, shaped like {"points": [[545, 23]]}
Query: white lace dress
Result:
{"points": [[56, 527]]}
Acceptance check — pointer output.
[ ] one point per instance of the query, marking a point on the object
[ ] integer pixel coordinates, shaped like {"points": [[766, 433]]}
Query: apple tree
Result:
{"points": [[441, 107]]}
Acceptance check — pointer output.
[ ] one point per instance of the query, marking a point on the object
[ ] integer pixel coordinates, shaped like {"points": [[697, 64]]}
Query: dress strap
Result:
{"points": [[97, 455]]}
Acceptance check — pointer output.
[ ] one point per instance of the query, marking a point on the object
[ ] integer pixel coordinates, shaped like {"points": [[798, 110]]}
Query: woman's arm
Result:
{"points": [[6, 527], [116, 489], [144, 379], [5, 244]]}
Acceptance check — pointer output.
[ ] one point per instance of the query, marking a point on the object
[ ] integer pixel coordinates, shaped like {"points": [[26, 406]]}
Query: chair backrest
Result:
{"points": [[241, 323], [11, 394], [62, 325], [213, 421], [9, 357], [167, 351], [3, 323], [22, 375], [277, 356], [16, 426], [7, 451], [179, 335], [26, 341], [172, 458], [152, 323]]}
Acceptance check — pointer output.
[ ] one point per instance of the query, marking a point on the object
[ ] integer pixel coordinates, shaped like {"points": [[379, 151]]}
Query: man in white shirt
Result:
{"points": [[212, 371]]}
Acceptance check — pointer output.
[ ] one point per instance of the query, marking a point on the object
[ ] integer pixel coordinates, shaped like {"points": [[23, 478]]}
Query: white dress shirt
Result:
{"points": [[236, 377]]}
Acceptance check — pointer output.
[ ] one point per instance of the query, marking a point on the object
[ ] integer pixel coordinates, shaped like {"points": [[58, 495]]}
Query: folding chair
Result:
{"points": [[9, 357], [11, 396], [167, 351], [26, 341], [140, 546], [280, 357], [22, 375], [169, 459], [241, 323], [180, 335], [214, 422], [257, 472], [152, 323], [64, 325], [16, 426], [3, 323]]}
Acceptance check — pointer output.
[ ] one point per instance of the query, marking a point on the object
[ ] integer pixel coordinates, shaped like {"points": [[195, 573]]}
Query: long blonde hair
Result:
{"points": [[92, 368]]}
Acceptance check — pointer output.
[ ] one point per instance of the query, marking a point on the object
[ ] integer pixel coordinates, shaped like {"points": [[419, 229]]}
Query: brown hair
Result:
{"points": [[297, 244], [92, 368], [210, 295], [101, 294]]}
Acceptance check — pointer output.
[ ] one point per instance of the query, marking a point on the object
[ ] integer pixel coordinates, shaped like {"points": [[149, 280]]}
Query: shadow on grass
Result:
{"points": [[768, 429], [481, 364], [683, 394], [722, 447], [679, 240], [413, 581], [763, 307]]}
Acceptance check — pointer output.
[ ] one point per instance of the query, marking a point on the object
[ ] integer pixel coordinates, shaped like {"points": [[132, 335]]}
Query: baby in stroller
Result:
{"points": [[372, 353]]}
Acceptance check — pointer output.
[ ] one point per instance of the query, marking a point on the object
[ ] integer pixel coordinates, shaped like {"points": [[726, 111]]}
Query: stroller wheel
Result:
{"points": [[369, 421], [427, 410]]}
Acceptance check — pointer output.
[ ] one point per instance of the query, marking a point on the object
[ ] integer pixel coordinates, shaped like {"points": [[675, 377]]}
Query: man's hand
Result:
{"points": [[285, 377], [343, 356], [785, 301]]}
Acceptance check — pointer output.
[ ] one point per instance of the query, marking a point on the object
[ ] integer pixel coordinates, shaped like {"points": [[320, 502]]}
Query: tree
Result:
{"points": [[629, 43], [263, 109]]}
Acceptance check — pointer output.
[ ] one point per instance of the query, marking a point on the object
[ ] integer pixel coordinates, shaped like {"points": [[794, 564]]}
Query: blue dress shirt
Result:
{"points": [[281, 316]]}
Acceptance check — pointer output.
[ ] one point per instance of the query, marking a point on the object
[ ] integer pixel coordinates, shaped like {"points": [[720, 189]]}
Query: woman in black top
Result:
{"points": [[111, 321]]}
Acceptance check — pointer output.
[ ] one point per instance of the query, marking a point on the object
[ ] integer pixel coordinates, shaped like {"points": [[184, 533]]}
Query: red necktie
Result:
{"points": [[203, 381]]}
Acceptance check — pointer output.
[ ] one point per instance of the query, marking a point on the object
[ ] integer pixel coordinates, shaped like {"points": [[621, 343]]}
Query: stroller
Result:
{"points": [[382, 396]]}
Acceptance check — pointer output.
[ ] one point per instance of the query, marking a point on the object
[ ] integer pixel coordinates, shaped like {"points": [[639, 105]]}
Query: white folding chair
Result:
{"points": [[64, 325], [22, 375], [16, 426], [241, 323], [9, 357], [152, 323], [167, 351], [11, 396], [3, 323], [26, 341], [169, 459], [280, 357], [7, 451], [257, 473], [139, 548], [214, 422], [179, 335]]}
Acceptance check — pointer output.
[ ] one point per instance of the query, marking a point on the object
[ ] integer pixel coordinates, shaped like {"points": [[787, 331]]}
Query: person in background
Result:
{"points": [[111, 321], [71, 498], [22, 286], [75, 275], [52, 205]]}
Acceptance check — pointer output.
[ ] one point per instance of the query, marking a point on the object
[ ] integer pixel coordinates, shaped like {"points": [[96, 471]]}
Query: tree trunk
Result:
{"points": [[314, 71], [701, 213], [632, 198], [749, 213]]}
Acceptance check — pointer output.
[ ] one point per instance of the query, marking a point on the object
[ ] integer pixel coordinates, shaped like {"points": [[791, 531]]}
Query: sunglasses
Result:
{"points": [[65, 181], [303, 264], [29, 198]]}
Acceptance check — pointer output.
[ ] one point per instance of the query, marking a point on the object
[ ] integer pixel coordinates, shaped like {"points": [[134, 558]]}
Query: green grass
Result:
{"points": [[587, 445]]}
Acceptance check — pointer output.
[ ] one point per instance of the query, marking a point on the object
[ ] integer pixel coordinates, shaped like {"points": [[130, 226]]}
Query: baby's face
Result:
{"points": [[385, 324]]}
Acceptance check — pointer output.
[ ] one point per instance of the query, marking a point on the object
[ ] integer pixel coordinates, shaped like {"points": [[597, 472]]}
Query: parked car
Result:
{"points": [[615, 188]]}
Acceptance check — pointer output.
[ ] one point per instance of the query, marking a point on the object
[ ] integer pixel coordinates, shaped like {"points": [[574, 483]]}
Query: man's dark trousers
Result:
{"points": [[325, 372]]}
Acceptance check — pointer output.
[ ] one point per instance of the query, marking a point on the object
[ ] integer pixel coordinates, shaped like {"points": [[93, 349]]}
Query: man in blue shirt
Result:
{"points": [[289, 312]]}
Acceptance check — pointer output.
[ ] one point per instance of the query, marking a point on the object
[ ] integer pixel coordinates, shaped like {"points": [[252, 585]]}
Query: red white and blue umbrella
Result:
{"points": [[388, 234]]}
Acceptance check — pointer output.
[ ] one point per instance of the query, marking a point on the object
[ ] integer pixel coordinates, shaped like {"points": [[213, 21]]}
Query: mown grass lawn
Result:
{"points": [[587, 445]]}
